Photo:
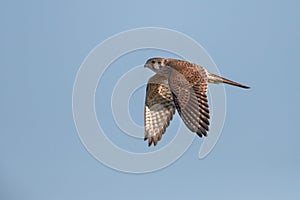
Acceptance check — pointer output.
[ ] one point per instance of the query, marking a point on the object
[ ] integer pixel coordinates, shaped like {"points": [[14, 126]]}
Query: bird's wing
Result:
{"points": [[189, 88], [159, 108]]}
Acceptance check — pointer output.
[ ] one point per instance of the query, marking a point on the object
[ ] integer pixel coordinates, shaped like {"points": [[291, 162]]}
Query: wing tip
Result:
{"points": [[152, 140], [245, 86]]}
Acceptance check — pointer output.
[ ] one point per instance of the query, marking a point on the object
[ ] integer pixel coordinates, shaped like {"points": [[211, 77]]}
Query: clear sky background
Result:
{"points": [[42, 45]]}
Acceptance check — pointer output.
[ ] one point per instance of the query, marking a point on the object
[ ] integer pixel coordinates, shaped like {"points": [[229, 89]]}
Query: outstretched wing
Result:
{"points": [[159, 108], [189, 87]]}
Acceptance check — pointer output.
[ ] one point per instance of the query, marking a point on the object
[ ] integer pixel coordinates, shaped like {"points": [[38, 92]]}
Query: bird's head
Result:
{"points": [[156, 64]]}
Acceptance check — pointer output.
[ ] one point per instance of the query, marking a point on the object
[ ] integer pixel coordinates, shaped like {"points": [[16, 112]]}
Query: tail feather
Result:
{"points": [[212, 78]]}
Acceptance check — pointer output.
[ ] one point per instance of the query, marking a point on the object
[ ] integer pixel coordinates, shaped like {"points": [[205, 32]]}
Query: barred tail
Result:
{"points": [[212, 78]]}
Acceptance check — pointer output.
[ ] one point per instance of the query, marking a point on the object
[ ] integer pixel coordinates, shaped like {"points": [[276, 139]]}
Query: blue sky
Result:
{"points": [[254, 42]]}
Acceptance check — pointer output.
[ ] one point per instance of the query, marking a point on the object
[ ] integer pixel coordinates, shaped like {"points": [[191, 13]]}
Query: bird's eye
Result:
{"points": [[152, 61]]}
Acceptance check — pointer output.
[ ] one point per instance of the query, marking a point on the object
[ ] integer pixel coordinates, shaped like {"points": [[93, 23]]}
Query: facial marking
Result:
{"points": [[156, 66]]}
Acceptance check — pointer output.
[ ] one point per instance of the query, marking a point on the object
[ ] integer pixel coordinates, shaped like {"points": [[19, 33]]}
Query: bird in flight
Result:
{"points": [[182, 86]]}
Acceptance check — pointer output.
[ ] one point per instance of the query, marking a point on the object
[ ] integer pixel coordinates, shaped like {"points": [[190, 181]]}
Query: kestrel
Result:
{"points": [[182, 86]]}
